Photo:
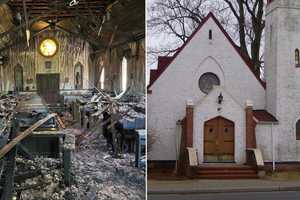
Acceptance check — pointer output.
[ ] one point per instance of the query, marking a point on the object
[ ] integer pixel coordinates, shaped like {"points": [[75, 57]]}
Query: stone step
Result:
{"points": [[200, 172], [210, 171], [227, 176]]}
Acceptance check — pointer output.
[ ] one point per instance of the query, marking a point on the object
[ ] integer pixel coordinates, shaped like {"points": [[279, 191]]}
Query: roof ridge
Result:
{"points": [[247, 61]]}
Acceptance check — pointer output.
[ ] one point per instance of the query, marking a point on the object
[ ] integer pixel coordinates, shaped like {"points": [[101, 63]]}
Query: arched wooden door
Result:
{"points": [[18, 73], [219, 140]]}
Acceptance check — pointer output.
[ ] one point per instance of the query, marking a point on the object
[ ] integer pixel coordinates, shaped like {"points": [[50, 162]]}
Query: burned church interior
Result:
{"points": [[72, 99]]}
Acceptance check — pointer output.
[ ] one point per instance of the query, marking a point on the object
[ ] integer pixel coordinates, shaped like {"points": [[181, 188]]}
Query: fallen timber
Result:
{"points": [[23, 135], [31, 180], [22, 126], [117, 109]]}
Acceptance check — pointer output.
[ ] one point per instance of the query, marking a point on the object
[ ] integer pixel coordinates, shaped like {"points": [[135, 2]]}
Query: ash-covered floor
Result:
{"points": [[97, 176]]}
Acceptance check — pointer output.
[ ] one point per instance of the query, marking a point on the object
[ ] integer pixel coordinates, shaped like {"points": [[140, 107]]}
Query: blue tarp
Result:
{"points": [[138, 123]]}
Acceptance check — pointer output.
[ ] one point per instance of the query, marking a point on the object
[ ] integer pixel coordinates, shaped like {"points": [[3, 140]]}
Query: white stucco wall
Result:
{"points": [[265, 142], [179, 83], [283, 82]]}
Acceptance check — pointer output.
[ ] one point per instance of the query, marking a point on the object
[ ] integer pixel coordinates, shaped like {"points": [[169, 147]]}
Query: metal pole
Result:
{"points": [[273, 148], [177, 139]]}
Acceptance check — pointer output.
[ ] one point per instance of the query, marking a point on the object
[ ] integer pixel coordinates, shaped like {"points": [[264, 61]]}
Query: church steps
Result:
{"points": [[225, 172]]}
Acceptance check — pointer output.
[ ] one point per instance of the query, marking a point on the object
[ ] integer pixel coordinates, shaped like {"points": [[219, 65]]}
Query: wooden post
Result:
{"points": [[9, 170]]}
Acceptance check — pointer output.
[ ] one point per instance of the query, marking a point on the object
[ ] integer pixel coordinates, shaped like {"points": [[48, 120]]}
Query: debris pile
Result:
{"points": [[8, 104], [97, 176], [97, 173], [106, 177]]}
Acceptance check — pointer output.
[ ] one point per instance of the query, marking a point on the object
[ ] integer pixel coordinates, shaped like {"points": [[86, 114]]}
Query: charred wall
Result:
{"points": [[111, 61], [71, 51]]}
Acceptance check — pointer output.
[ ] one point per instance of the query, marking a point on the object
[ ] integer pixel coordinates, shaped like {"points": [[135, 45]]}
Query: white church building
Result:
{"points": [[207, 97]]}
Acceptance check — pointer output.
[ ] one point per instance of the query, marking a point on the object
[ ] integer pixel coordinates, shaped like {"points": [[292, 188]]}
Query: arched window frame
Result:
{"points": [[20, 68], [297, 58], [124, 73], [78, 64], [208, 76], [102, 78], [298, 130]]}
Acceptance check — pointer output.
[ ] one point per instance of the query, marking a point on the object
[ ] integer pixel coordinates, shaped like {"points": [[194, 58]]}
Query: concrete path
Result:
{"points": [[220, 186]]}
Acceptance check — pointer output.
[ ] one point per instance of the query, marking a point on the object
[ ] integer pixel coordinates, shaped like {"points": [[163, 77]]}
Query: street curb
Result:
{"points": [[231, 190]]}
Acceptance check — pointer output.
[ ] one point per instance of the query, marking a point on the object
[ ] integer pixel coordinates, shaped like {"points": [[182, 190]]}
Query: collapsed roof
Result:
{"points": [[103, 23]]}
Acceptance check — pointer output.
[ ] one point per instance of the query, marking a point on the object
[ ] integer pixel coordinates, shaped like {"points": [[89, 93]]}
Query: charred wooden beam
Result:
{"points": [[23, 135], [20, 177]]}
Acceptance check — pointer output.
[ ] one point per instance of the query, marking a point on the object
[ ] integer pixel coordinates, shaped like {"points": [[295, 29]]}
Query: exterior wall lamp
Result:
{"points": [[220, 98]]}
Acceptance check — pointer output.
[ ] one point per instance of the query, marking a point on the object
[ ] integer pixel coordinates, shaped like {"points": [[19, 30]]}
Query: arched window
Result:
{"points": [[210, 34], [297, 58], [102, 79], [298, 130], [78, 76], [124, 74], [18, 73]]}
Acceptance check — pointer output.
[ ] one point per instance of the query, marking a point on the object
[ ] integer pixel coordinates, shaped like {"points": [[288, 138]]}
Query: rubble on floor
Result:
{"points": [[96, 173], [97, 176]]}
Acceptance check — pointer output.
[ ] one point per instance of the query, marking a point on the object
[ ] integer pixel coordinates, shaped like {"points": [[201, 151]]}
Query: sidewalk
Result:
{"points": [[220, 186]]}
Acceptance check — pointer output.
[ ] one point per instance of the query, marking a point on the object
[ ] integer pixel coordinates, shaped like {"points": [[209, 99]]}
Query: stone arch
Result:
{"points": [[207, 65], [217, 64]]}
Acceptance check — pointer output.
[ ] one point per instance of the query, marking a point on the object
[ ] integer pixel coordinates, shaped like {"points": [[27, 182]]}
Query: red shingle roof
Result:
{"points": [[264, 116], [164, 62]]}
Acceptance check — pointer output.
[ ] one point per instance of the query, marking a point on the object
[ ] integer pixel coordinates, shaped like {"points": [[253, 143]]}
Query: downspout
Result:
{"points": [[273, 149], [177, 136]]}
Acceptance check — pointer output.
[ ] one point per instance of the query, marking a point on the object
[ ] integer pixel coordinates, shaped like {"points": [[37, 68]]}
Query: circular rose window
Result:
{"points": [[48, 47], [207, 81]]}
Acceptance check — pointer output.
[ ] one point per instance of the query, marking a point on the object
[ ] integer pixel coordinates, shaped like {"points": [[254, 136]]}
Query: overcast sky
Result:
{"points": [[161, 39]]}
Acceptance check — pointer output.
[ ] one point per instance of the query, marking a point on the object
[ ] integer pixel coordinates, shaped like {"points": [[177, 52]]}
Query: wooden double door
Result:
{"points": [[219, 140], [48, 87]]}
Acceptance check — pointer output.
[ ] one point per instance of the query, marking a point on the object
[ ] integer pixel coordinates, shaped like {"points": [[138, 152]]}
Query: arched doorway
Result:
{"points": [[78, 76], [18, 76], [219, 140]]}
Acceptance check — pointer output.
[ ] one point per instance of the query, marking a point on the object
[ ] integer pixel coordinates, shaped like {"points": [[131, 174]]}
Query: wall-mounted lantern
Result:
{"points": [[220, 98]]}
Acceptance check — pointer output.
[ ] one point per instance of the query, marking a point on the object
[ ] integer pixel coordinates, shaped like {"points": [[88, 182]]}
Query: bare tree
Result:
{"points": [[243, 19], [250, 20], [176, 20]]}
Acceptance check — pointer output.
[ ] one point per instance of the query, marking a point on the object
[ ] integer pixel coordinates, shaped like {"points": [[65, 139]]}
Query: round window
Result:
{"points": [[207, 81], [48, 47]]}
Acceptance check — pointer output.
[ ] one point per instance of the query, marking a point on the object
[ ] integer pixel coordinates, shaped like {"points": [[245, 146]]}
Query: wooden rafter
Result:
{"points": [[60, 8]]}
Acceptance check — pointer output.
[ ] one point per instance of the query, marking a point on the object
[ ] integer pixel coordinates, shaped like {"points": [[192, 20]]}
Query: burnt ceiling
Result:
{"points": [[103, 23]]}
